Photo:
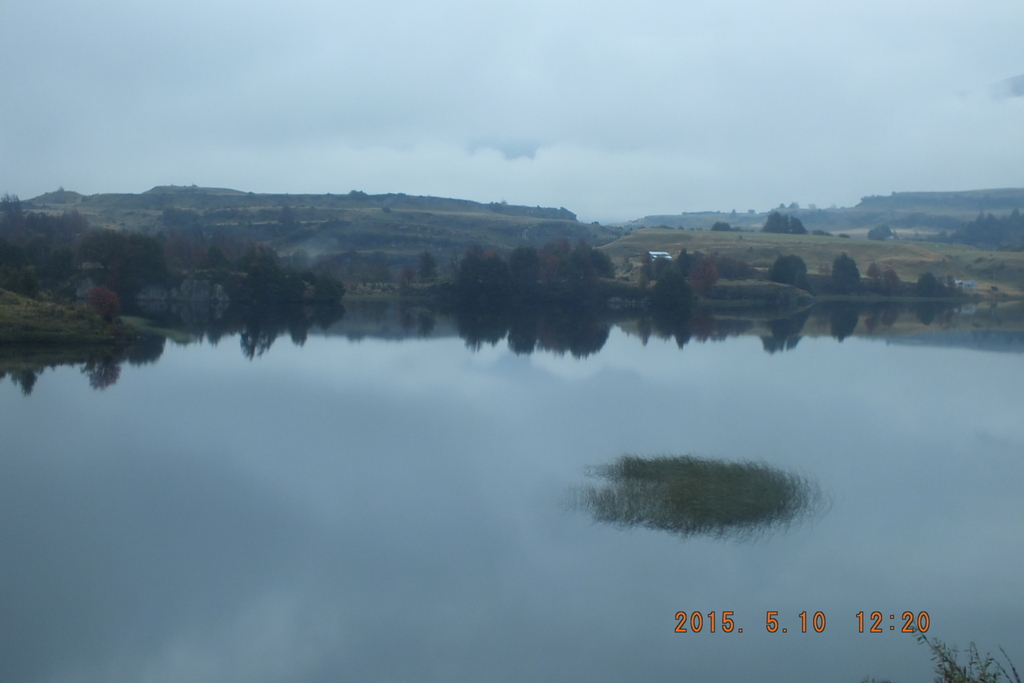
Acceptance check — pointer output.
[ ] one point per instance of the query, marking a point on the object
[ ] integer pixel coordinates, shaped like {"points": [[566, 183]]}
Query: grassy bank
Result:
{"points": [[1000, 269], [25, 321]]}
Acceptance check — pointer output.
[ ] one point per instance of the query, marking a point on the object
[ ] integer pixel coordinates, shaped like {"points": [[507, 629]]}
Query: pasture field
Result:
{"points": [[910, 259]]}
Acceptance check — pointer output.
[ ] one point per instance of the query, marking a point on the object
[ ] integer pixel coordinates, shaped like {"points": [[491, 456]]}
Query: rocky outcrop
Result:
{"points": [[82, 291], [194, 300]]}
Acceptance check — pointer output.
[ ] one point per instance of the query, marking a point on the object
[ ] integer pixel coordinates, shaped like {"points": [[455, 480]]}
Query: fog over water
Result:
{"points": [[396, 509]]}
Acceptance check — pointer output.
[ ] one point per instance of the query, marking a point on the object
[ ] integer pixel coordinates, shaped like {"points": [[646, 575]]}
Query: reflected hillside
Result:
{"points": [[582, 329], [257, 328], [690, 496], [998, 327], [102, 366], [579, 331]]}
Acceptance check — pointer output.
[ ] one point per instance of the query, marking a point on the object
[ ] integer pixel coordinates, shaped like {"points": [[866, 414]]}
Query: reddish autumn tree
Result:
{"points": [[890, 282], [703, 275], [874, 274], [647, 266], [405, 277], [104, 302]]}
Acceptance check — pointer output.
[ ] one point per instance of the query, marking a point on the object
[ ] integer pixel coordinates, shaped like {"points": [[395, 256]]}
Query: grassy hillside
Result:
{"points": [[399, 225], [1004, 270], [909, 214], [27, 321]]}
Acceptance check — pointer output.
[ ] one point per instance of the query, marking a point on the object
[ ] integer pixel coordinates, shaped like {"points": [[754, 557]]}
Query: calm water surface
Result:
{"points": [[382, 510]]}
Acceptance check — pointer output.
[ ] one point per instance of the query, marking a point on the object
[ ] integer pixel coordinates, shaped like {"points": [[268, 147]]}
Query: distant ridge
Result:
{"points": [[395, 225], [909, 214], [194, 197], [1004, 199]]}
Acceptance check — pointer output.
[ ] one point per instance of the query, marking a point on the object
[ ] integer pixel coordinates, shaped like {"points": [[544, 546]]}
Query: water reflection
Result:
{"points": [[690, 496], [843, 318], [580, 330], [256, 327], [25, 364], [785, 332]]}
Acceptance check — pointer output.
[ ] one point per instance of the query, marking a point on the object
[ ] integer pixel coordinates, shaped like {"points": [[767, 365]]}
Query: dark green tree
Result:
{"points": [[928, 285], [881, 232], [266, 282], [12, 255], [845, 275], [789, 270], [11, 213], [130, 260], [684, 261], [730, 268], [428, 267], [483, 280], [788, 225], [584, 265], [215, 258], [524, 269], [672, 294], [20, 280]]}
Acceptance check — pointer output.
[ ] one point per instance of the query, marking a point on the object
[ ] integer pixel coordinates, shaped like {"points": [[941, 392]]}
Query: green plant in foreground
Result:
{"points": [[978, 669]]}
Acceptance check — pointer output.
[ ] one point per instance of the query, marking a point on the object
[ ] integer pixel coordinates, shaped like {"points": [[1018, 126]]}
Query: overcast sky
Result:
{"points": [[613, 110]]}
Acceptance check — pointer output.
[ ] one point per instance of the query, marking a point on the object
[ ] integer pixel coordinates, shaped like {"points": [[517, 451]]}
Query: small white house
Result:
{"points": [[966, 284], [660, 254]]}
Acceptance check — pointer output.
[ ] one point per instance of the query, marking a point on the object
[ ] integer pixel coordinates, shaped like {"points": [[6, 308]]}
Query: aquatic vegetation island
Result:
{"points": [[690, 496]]}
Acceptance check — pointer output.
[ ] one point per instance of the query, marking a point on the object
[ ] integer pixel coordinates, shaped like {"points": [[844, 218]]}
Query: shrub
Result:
{"points": [[703, 275], [672, 294], [104, 302], [890, 282], [730, 268], [788, 270], [845, 275], [789, 225], [928, 285]]}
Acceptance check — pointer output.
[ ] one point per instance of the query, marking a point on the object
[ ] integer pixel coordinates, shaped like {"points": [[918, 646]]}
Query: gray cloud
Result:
{"points": [[609, 109], [1011, 87]]}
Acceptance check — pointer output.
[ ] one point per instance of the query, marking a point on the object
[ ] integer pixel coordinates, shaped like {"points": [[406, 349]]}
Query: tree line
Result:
{"points": [[996, 232], [40, 251], [843, 277]]}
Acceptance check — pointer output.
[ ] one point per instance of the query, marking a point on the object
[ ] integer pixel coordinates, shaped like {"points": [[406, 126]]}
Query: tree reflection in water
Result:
{"points": [[690, 496], [558, 329]]}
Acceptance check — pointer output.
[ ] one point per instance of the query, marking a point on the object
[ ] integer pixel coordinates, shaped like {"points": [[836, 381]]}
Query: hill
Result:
{"points": [[911, 215], [398, 225], [1000, 269]]}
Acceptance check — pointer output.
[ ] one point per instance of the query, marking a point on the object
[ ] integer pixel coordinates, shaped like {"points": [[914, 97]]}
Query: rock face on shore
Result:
{"points": [[194, 300], [190, 290]]}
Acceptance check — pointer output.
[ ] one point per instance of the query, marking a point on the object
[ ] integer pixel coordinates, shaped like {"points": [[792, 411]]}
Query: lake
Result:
{"points": [[387, 503]]}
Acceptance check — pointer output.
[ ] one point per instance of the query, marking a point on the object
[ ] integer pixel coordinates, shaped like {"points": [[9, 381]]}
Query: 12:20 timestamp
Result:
{"points": [[922, 620]]}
